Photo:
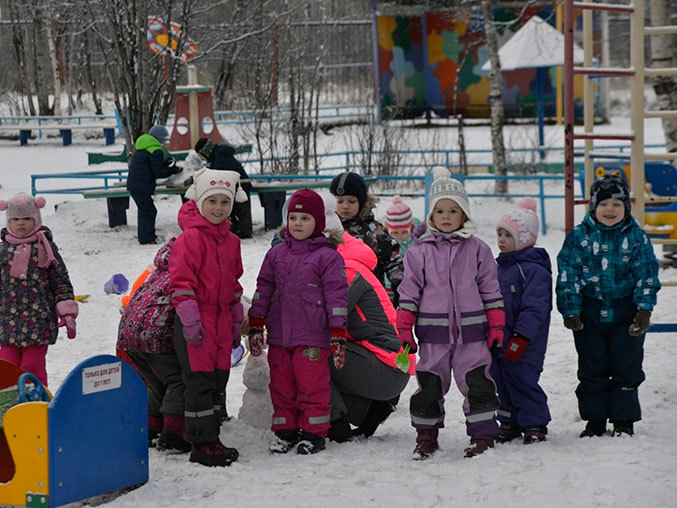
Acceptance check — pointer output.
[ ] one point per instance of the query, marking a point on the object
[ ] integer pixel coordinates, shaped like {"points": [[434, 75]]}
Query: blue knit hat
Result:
{"points": [[159, 132]]}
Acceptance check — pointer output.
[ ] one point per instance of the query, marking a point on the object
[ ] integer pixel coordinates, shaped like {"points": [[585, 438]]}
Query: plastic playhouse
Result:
{"points": [[89, 439]]}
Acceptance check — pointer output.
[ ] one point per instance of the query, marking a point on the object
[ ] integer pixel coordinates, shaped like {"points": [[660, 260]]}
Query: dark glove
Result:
{"points": [[641, 323], [516, 347], [170, 162], [175, 169], [256, 336], [188, 181], [573, 323], [337, 343]]}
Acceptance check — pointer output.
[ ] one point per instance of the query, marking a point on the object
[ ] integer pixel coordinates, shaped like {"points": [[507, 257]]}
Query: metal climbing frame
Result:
{"points": [[636, 72]]}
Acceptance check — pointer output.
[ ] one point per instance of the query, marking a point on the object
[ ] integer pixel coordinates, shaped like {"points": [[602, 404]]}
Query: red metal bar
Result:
{"points": [[568, 115], [604, 7], [592, 135], [604, 71]]}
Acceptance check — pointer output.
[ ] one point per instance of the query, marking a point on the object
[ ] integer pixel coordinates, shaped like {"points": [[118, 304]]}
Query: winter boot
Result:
{"points": [[507, 433], [478, 445], [171, 437], [310, 444], [623, 427], [340, 430], [154, 429], [213, 453], [535, 434], [378, 412], [426, 443], [594, 428], [284, 441]]}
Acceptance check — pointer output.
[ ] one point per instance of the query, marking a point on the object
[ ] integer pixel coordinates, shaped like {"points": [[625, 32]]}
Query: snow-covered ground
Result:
{"points": [[565, 471]]}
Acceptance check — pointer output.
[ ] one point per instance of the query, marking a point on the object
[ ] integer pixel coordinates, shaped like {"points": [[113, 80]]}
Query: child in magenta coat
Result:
{"points": [[450, 292], [301, 298], [204, 267]]}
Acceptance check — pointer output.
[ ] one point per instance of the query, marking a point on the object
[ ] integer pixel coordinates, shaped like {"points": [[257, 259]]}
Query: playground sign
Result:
{"points": [[101, 378]]}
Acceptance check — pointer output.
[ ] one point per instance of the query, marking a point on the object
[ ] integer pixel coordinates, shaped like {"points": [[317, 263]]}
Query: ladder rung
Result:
{"points": [[604, 7], [660, 30], [661, 199], [664, 241], [581, 201], [608, 155], [608, 135], [660, 156], [605, 71], [660, 71], [661, 114]]}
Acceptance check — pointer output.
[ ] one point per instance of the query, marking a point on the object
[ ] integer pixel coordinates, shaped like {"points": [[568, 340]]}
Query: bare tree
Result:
{"points": [[663, 55]]}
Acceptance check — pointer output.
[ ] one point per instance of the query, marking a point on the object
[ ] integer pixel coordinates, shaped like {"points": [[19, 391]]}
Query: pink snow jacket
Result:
{"points": [[147, 323], [450, 281], [302, 292], [205, 265]]}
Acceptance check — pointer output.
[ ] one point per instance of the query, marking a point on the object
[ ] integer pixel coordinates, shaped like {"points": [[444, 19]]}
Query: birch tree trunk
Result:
{"points": [[54, 62], [495, 100], [662, 55]]}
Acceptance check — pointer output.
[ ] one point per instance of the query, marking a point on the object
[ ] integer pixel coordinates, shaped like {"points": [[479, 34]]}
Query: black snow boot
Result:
{"points": [[623, 427], [594, 428], [378, 412], [340, 430]]}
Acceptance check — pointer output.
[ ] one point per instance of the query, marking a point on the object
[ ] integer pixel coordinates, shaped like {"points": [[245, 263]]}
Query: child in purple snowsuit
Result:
{"points": [[450, 292], [302, 299], [525, 277]]}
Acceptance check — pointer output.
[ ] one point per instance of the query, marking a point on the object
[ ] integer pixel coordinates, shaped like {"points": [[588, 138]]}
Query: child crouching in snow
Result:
{"points": [[35, 290], [301, 298], [205, 265], [525, 277]]}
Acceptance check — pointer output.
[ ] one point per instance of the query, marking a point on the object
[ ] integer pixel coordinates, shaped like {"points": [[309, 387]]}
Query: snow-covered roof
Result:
{"points": [[536, 44]]}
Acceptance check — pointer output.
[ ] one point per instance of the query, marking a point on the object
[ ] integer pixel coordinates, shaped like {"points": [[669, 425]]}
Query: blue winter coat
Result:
{"points": [[606, 263], [302, 292], [525, 277], [147, 165]]}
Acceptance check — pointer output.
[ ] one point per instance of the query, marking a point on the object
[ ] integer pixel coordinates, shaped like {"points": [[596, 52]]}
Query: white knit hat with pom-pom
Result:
{"points": [[445, 187], [522, 224], [208, 182]]}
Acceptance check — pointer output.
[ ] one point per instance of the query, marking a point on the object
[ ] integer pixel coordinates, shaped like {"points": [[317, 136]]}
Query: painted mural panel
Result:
{"points": [[432, 63]]}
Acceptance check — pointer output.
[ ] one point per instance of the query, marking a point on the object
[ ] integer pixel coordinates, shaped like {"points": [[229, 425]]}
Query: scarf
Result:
{"points": [[22, 254]]}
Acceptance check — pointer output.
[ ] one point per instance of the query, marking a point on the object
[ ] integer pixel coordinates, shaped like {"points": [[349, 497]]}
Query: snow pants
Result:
{"points": [[470, 365], [362, 380], [523, 401], [31, 359], [204, 389], [162, 374], [145, 217], [299, 388], [609, 363]]}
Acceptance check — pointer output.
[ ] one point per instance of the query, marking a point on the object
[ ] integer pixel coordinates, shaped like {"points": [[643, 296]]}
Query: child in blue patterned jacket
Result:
{"points": [[606, 290]]}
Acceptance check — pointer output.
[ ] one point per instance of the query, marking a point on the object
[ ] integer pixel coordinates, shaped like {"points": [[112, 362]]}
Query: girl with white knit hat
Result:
{"points": [[450, 292], [524, 274]]}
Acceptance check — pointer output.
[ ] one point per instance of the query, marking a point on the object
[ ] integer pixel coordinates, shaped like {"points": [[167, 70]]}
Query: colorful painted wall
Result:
{"points": [[432, 62]]}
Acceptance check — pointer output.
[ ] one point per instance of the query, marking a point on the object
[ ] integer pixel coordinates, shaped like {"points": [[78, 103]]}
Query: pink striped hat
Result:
{"points": [[399, 215]]}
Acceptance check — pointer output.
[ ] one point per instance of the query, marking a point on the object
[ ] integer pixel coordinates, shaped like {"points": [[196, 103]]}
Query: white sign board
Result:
{"points": [[101, 378]]}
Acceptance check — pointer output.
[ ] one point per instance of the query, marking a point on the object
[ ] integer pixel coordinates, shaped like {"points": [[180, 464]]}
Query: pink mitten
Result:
{"points": [[189, 314], [405, 324], [496, 320], [67, 310]]}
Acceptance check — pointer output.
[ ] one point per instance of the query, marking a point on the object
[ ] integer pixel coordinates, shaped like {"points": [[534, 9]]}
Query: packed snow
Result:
{"points": [[564, 471]]}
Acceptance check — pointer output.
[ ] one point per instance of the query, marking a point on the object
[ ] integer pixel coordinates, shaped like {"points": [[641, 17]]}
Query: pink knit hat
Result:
{"points": [[522, 223], [399, 215], [24, 205]]}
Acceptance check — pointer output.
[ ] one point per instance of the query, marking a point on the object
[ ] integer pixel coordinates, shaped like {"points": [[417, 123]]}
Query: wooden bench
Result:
{"points": [[65, 131], [117, 201]]}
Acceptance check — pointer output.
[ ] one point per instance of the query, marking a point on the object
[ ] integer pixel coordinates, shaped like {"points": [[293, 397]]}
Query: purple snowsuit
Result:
{"points": [[526, 284], [449, 283], [302, 293]]}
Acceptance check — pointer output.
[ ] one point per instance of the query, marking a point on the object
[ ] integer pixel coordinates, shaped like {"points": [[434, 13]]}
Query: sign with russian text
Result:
{"points": [[101, 378]]}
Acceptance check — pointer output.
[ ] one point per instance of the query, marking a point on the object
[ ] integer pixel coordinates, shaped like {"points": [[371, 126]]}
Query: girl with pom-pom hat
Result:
{"points": [[34, 285], [450, 292], [525, 276], [401, 223]]}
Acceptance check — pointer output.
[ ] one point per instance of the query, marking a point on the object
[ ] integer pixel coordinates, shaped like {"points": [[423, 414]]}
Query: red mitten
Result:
{"points": [[516, 347], [496, 320], [337, 343], [256, 335], [405, 324]]}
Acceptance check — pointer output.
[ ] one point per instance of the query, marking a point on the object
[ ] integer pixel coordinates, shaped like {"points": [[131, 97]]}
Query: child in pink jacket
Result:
{"points": [[450, 291], [302, 298], [204, 266]]}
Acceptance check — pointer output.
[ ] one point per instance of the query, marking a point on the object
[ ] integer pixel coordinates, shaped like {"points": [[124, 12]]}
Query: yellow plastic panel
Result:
{"points": [[26, 432]]}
